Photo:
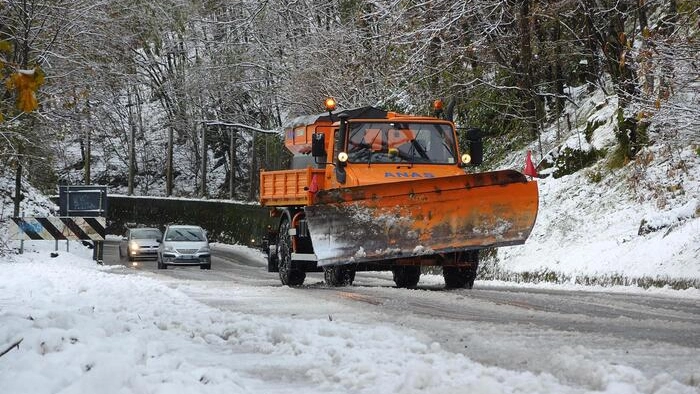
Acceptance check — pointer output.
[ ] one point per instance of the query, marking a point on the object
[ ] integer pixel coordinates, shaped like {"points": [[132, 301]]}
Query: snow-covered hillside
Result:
{"points": [[639, 224]]}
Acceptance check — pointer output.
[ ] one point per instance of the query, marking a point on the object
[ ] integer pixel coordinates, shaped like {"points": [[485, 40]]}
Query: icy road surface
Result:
{"points": [[68, 325], [583, 338]]}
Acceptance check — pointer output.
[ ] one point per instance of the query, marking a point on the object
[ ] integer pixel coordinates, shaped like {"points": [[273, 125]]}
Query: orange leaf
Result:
{"points": [[622, 37]]}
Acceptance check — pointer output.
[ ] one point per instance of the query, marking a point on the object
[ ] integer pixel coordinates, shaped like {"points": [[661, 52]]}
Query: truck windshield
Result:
{"points": [[401, 142]]}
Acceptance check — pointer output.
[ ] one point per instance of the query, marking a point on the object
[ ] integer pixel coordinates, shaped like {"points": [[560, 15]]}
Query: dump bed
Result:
{"points": [[290, 187]]}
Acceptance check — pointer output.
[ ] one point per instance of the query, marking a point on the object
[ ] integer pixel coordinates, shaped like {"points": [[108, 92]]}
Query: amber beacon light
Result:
{"points": [[330, 104]]}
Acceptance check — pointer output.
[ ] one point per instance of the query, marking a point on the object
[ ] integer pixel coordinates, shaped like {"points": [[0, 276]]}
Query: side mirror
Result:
{"points": [[318, 145], [476, 146]]}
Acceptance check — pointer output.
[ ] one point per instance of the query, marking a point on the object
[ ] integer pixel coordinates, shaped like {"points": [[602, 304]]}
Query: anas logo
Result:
{"points": [[406, 174]]}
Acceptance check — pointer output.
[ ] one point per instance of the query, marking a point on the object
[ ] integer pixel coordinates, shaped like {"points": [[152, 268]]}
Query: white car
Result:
{"points": [[184, 245], [140, 243]]}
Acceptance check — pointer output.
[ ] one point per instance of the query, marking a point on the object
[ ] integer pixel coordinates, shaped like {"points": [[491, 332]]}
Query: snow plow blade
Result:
{"points": [[421, 217]]}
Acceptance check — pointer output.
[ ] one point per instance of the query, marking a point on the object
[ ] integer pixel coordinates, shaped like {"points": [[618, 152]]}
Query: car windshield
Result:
{"points": [[401, 142], [145, 233], [184, 234]]}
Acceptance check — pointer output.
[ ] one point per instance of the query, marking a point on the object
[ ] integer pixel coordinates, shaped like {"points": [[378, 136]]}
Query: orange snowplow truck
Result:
{"points": [[370, 190]]}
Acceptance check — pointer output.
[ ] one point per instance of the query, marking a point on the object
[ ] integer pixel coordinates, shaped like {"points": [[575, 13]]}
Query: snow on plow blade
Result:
{"points": [[422, 217]]}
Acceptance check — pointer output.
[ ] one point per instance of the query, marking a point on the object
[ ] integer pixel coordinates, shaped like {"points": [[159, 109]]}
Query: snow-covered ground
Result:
{"points": [[86, 328]]}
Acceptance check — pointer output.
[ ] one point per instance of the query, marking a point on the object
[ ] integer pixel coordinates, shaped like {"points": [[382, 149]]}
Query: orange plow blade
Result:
{"points": [[422, 217]]}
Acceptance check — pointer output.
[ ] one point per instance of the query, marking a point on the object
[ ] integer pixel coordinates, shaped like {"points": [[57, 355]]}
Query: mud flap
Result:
{"points": [[422, 217]]}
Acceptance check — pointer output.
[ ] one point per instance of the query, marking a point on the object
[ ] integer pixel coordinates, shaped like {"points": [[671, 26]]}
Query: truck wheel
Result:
{"points": [[407, 276], [288, 276], [459, 277], [338, 275], [271, 260]]}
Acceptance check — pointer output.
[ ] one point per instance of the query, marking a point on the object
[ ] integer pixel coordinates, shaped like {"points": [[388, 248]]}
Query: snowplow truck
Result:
{"points": [[371, 190]]}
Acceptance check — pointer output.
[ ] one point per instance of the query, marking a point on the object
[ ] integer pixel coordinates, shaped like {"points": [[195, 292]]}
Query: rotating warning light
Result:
{"points": [[466, 158], [437, 105], [330, 104]]}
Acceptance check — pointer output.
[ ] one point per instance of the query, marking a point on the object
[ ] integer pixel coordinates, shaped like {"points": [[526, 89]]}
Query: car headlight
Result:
{"points": [[168, 248], [204, 249], [133, 245]]}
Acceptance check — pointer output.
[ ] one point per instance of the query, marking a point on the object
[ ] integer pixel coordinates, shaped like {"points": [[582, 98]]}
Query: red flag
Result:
{"points": [[529, 167]]}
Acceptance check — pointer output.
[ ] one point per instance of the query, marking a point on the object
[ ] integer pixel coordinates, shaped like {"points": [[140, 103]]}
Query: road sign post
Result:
{"points": [[84, 201]]}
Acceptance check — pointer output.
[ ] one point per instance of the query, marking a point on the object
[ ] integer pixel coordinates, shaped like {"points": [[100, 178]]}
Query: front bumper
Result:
{"points": [[171, 258], [144, 254]]}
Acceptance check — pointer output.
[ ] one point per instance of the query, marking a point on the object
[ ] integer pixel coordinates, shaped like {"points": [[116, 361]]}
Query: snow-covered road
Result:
{"points": [[114, 329], [566, 332]]}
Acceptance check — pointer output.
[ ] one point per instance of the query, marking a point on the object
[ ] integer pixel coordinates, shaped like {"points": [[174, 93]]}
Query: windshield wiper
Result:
{"points": [[371, 144], [417, 147]]}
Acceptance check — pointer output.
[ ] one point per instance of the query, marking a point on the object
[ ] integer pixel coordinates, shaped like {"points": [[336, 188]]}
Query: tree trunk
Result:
{"points": [[557, 74], [169, 165], [203, 187], [18, 186], [525, 67], [132, 142]]}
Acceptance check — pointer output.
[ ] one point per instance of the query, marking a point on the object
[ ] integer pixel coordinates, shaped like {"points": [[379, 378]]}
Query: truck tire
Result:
{"points": [[459, 277], [272, 261], [338, 275], [288, 275], [406, 276]]}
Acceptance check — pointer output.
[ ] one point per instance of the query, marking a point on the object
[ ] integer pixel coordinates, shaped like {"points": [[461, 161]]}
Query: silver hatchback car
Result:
{"points": [[184, 245], [140, 243]]}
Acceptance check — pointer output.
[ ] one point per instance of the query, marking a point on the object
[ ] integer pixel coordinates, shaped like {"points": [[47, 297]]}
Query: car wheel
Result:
{"points": [[205, 266]]}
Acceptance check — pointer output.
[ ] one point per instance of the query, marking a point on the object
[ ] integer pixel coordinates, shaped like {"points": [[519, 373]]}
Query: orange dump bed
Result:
{"points": [[289, 187]]}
